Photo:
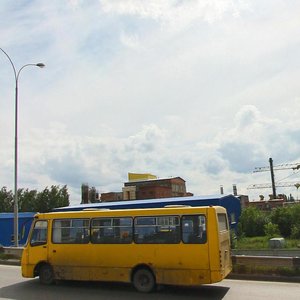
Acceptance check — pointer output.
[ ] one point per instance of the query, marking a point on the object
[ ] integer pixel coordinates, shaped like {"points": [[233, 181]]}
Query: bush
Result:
{"points": [[295, 234], [252, 222], [283, 218], [271, 230]]}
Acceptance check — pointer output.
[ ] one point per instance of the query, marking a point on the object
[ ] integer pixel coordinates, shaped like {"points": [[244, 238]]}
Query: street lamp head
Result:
{"points": [[40, 65]]}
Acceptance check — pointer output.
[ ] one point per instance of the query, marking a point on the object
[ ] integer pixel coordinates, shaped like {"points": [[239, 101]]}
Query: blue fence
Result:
{"points": [[7, 227]]}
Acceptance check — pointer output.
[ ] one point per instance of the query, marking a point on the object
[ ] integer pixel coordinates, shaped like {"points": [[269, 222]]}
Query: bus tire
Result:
{"points": [[46, 274], [143, 280]]}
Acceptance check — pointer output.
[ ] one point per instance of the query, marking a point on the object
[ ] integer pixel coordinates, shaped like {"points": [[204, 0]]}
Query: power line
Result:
{"points": [[268, 185], [271, 169], [294, 166], [288, 176]]}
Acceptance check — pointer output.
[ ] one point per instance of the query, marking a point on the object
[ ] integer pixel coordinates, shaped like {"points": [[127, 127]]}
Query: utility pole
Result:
{"points": [[273, 185], [272, 178]]}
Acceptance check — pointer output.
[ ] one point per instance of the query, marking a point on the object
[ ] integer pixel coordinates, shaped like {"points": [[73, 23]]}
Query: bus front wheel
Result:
{"points": [[143, 280], [46, 274]]}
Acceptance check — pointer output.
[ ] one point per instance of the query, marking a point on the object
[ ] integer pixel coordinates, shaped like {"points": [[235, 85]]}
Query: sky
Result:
{"points": [[207, 90]]}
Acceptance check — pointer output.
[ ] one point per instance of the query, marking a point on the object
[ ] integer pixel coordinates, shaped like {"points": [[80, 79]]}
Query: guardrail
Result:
{"points": [[268, 252], [15, 251], [267, 261]]}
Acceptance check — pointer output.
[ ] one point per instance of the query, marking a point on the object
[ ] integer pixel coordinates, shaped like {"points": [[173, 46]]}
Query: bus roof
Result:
{"points": [[152, 203], [129, 211]]}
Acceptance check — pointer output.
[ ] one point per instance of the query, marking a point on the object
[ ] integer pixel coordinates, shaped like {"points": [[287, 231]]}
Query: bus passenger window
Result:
{"points": [[111, 231], [70, 231], [194, 229], [157, 230], [223, 224], [39, 233]]}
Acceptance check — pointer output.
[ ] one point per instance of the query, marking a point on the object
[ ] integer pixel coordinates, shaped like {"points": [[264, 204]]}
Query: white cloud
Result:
{"points": [[205, 90], [169, 11], [131, 41]]}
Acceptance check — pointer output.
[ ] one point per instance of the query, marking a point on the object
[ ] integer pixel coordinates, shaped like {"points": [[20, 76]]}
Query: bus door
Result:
{"points": [[38, 250], [69, 249]]}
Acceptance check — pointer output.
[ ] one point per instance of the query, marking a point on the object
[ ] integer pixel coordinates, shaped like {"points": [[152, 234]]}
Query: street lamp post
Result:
{"points": [[16, 208]]}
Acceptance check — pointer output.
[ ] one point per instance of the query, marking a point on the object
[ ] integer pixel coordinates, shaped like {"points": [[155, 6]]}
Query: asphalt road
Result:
{"points": [[13, 286]]}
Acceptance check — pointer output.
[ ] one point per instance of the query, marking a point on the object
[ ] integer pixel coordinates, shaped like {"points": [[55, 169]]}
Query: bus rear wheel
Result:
{"points": [[46, 275], [143, 280]]}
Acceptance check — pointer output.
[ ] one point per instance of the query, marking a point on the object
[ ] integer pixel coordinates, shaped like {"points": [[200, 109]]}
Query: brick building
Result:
{"points": [[149, 189], [267, 204], [111, 196], [155, 188]]}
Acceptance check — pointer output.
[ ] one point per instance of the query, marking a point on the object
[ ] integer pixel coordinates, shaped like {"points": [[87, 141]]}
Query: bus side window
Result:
{"points": [[223, 224], [71, 231], [39, 233], [194, 229], [111, 230], [157, 230]]}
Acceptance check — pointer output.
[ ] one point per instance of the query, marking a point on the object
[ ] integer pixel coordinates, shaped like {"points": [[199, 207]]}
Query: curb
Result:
{"points": [[10, 262], [259, 277]]}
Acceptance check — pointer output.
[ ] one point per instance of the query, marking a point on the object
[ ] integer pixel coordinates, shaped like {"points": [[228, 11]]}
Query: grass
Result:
{"points": [[252, 243], [262, 242]]}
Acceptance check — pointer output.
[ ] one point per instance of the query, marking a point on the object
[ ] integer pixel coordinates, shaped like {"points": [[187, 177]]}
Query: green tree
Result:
{"points": [[31, 200], [26, 200], [63, 197], [51, 198], [58, 197], [42, 201], [252, 222], [295, 232], [295, 214], [282, 216], [6, 200]]}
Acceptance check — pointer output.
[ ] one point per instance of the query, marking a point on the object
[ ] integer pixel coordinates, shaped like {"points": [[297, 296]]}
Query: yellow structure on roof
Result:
{"points": [[140, 176]]}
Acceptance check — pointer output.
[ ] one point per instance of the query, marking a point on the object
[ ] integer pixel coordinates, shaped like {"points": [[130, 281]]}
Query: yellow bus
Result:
{"points": [[161, 246]]}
